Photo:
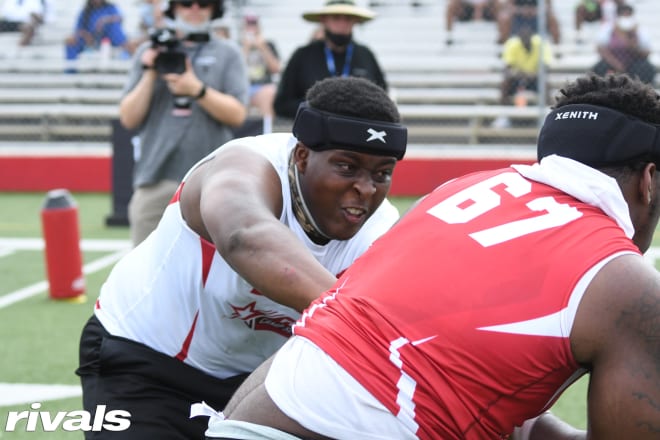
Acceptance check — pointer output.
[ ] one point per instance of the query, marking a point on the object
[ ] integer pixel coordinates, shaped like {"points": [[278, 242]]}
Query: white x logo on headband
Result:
{"points": [[380, 135]]}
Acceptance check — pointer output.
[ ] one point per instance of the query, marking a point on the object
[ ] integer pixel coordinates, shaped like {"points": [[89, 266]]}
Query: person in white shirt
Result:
{"points": [[24, 16]]}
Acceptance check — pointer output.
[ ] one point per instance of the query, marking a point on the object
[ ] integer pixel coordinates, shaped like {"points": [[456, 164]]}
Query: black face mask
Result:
{"points": [[338, 39]]}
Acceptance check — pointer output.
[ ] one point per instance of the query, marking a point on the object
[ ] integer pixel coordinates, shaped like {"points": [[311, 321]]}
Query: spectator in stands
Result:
{"points": [[521, 58], [263, 65], [586, 11], [98, 20], [625, 48], [23, 16], [466, 10], [590, 11], [182, 106], [337, 54], [514, 14]]}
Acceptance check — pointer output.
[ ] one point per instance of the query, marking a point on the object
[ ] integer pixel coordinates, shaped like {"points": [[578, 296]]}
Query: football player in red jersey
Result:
{"points": [[491, 296]]}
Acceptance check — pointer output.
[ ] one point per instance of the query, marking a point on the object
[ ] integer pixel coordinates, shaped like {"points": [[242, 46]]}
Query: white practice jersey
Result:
{"points": [[177, 295]]}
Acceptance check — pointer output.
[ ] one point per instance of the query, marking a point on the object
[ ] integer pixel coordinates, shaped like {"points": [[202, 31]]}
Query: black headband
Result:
{"points": [[321, 130], [597, 136]]}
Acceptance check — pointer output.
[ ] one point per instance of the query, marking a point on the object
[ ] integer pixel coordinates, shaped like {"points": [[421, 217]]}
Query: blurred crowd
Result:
{"points": [[276, 88]]}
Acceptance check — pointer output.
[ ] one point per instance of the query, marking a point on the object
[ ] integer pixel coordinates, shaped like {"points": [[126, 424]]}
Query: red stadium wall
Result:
{"points": [[77, 174], [415, 175]]}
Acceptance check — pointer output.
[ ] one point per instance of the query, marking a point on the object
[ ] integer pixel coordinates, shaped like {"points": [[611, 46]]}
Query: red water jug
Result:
{"points": [[59, 220]]}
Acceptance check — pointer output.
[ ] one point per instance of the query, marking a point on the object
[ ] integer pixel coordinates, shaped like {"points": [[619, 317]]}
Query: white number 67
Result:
{"points": [[484, 199]]}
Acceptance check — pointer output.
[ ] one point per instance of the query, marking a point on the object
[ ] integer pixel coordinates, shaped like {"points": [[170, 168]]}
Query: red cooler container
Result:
{"points": [[59, 220]]}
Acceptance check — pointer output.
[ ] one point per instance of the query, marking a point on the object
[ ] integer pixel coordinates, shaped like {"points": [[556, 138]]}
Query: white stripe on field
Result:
{"points": [[42, 286], [37, 244], [5, 252], [22, 393]]}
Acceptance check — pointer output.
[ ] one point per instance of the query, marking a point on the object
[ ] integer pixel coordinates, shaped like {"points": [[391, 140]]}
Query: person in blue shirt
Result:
{"points": [[99, 19]]}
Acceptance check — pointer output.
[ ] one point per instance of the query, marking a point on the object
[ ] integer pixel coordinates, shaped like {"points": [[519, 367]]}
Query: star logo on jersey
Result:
{"points": [[380, 135], [246, 313], [263, 320]]}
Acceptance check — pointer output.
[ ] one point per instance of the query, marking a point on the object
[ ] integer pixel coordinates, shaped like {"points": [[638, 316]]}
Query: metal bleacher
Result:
{"points": [[446, 94]]}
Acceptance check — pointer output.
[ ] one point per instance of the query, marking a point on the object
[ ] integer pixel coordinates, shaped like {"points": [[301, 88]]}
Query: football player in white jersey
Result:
{"points": [[256, 231]]}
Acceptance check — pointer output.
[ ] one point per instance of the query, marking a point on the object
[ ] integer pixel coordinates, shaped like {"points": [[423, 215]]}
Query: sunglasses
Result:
{"points": [[200, 3]]}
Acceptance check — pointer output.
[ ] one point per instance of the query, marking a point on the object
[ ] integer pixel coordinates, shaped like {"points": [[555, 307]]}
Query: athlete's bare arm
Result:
{"points": [[617, 335], [235, 201]]}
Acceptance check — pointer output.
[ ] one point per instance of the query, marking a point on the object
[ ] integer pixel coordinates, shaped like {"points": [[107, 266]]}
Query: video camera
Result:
{"points": [[171, 58]]}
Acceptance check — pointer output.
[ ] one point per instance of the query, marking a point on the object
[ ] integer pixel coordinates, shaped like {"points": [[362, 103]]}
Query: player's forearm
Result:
{"points": [[273, 261]]}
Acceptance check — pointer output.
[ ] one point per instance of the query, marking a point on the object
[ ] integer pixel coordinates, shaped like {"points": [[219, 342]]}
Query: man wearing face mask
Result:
{"points": [[624, 48], [336, 54], [184, 93]]}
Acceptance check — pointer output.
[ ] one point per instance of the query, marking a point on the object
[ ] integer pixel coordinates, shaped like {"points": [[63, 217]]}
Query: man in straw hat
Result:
{"points": [[336, 54]]}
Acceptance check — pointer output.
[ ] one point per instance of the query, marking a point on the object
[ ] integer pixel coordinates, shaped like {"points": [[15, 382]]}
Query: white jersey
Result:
{"points": [[177, 295]]}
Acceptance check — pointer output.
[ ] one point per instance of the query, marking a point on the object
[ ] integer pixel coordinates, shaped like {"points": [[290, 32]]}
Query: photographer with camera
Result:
{"points": [[185, 92]]}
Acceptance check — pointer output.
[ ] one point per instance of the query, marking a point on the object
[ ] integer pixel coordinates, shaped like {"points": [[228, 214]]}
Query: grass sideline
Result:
{"points": [[40, 335]]}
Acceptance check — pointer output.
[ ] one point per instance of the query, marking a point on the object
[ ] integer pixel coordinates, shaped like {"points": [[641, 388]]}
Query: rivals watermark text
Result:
{"points": [[77, 420]]}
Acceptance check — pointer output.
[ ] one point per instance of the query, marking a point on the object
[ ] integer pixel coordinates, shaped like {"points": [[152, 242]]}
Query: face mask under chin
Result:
{"points": [[188, 28], [338, 39]]}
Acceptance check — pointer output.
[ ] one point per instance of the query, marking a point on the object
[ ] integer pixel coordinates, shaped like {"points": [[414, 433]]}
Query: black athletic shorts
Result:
{"points": [[157, 390]]}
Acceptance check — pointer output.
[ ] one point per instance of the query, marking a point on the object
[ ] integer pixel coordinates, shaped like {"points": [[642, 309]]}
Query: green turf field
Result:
{"points": [[40, 335]]}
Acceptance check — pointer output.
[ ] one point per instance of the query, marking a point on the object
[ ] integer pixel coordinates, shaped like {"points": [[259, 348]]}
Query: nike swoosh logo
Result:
{"points": [[549, 325]]}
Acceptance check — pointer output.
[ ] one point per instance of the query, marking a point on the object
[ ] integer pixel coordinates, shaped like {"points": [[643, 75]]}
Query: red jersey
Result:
{"points": [[458, 319]]}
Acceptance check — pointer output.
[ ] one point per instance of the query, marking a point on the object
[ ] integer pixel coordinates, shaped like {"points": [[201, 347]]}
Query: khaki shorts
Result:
{"points": [[147, 206]]}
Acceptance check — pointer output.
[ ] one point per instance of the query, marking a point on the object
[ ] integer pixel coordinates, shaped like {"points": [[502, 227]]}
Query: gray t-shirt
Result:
{"points": [[169, 144]]}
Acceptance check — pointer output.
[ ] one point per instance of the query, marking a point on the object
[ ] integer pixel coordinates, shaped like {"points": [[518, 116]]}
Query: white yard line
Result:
{"points": [[22, 393], [18, 394], [36, 244], [120, 248], [21, 294], [5, 252]]}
